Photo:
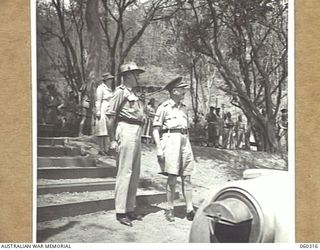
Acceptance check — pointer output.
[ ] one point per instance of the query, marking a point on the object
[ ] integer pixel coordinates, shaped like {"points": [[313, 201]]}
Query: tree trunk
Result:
{"points": [[93, 61]]}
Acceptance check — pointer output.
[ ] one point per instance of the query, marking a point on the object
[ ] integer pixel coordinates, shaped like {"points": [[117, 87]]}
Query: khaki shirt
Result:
{"points": [[169, 115], [125, 104]]}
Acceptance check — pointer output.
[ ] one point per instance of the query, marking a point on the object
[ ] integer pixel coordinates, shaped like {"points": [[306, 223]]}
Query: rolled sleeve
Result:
{"points": [[115, 102], [159, 117]]}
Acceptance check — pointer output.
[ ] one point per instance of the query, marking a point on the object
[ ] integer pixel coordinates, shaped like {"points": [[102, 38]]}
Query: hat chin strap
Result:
{"points": [[135, 77]]}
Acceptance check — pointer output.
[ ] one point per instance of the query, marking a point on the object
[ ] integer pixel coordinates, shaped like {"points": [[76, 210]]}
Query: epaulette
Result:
{"points": [[166, 103], [121, 87]]}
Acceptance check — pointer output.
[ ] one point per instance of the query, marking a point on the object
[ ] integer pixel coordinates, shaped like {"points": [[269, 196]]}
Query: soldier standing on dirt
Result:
{"points": [[240, 130], [126, 116], [283, 132], [220, 127], [53, 105], [173, 149], [212, 127], [228, 142]]}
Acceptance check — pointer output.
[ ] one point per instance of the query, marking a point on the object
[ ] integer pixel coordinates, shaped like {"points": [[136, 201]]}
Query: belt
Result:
{"points": [[183, 131], [126, 120]]}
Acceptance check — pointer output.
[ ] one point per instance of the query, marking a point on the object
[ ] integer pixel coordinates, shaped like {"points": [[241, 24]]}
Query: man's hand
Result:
{"points": [[160, 157], [114, 146], [160, 153]]}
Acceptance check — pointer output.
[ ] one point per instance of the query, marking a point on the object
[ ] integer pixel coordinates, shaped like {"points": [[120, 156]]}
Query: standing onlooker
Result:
{"points": [[103, 96], [239, 129], [220, 121], [228, 131], [212, 127], [71, 108], [53, 105], [41, 105], [283, 132], [174, 150], [84, 109], [126, 118], [247, 135]]}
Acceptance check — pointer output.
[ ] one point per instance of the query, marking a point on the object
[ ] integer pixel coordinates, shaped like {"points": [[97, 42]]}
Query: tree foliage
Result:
{"points": [[238, 47], [246, 41]]}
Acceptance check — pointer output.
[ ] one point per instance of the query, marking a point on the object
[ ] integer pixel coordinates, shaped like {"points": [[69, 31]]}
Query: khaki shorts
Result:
{"points": [[178, 156]]}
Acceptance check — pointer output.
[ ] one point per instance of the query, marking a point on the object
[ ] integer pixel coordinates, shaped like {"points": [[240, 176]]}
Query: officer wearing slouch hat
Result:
{"points": [[174, 151], [126, 117]]}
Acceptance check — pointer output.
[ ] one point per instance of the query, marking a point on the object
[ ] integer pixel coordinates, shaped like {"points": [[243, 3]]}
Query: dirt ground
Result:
{"points": [[213, 168]]}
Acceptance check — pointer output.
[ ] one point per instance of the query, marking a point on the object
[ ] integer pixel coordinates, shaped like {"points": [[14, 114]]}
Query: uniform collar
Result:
{"points": [[105, 85], [122, 86], [173, 104]]}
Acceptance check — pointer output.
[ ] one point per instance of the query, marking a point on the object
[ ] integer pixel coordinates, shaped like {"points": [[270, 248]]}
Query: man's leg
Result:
{"points": [[187, 167], [187, 191], [135, 155], [124, 164], [171, 189]]}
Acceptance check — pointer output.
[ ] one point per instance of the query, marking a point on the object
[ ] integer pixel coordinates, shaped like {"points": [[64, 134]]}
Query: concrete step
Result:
{"points": [[52, 141], [58, 151], [75, 185], [76, 172], [51, 130], [52, 186], [51, 207], [46, 130], [77, 161]]}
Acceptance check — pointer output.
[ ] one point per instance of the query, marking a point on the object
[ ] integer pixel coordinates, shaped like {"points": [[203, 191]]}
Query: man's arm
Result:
{"points": [[156, 137], [160, 153], [112, 112], [157, 125], [111, 125]]}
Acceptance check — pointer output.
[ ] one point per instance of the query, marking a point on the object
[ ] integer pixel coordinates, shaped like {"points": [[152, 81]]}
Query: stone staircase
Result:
{"points": [[70, 183]]}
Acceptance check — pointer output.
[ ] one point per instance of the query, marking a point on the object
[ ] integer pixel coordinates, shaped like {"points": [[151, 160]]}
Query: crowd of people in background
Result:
{"points": [[223, 130], [226, 133]]}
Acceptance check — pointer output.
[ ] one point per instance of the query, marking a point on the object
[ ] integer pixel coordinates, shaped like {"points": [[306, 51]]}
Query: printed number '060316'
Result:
{"points": [[308, 245]]}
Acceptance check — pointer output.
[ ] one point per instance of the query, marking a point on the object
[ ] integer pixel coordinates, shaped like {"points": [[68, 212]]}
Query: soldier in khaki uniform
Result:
{"points": [[282, 124], [126, 117], [173, 149]]}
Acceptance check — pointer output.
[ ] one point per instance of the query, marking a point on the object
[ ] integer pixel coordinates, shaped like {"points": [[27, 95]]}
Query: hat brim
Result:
{"points": [[108, 78], [172, 83], [139, 71]]}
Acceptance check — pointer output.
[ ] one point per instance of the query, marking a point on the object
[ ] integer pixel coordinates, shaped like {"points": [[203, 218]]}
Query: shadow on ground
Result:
{"points": [[42, 235], [148, 209], [179, 211]]}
